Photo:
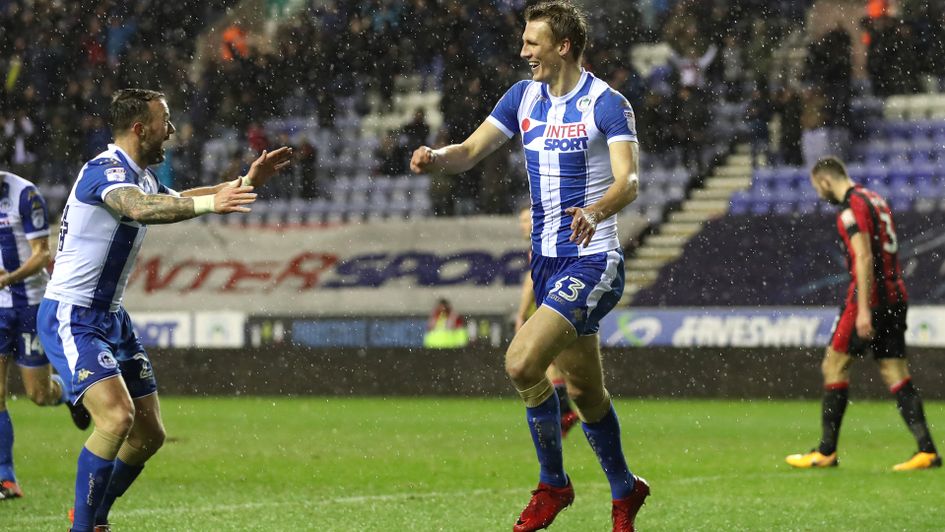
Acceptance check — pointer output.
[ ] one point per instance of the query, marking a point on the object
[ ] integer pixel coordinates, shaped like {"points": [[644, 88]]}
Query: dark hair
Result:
{"points": [[130, 106], [832, 166], [567, 21]]}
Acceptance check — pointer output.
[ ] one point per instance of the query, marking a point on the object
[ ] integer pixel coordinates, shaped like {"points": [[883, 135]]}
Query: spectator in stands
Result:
{"points": [[393, 155], [19, 139], [234, 43], [733, 72], [692, 67], [307, 166], [417, 132], [256, 137], [445, 328], [689, 127], [757, 115], [758, 51], [787, 104], [815, 139], [892, 61]]}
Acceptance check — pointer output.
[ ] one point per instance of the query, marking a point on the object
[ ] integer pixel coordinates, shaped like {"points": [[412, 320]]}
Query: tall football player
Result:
{"points": [[581, 157]]}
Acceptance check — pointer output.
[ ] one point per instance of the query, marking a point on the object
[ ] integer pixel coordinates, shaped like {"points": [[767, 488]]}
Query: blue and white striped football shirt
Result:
{"points": [[567, 159], [23, 217], [97, 247]]}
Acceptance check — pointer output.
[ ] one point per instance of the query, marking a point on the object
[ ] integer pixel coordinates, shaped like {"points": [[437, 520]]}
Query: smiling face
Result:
{"points": [[155, 131], [545, 57]]}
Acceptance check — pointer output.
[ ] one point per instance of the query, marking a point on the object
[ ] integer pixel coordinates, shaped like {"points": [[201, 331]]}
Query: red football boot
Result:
{"points": [[547, 501], [10, 490], [568, 420], [98, 528], [625, 510]]}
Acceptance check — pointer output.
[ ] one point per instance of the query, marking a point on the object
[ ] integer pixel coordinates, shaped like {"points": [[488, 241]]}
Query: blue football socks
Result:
{"points": [[91, 482], [544, 422], [6, 447], [604, 437], [122, 477]]}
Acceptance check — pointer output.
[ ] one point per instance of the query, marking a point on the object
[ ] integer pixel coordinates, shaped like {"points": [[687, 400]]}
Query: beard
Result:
{"points": [[152, 150]]}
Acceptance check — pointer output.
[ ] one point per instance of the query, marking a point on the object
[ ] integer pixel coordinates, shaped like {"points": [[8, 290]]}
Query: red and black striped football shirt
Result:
{"points": [[864, 211]]}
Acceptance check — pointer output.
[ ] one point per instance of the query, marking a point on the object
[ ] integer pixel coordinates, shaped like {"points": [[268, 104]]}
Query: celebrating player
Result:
{"points": [[581, 158], [87, 334], [25, 233], [526, 307], [873, 316]]}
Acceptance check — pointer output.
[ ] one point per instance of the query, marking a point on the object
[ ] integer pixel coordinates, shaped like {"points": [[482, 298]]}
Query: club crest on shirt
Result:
{"points": [[6, 205], [584, 104], [106, 360]]}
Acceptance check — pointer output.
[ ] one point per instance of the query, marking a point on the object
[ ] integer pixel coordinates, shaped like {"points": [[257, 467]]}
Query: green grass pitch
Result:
{"points": [[395, 464]]}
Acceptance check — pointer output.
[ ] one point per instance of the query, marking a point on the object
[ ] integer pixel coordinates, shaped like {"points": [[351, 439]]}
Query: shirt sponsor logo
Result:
{"points": [[532, 129], [115, 175], [566, 137]]}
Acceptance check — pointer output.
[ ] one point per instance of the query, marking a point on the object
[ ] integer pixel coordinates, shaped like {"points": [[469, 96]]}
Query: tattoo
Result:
{"points": [[149, 208]]}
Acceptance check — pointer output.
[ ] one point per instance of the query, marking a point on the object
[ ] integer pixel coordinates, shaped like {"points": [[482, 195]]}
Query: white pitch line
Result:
{"points": [[360, 499]]}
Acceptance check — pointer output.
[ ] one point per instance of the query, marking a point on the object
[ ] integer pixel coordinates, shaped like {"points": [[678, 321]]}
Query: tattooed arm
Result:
{"points": [[165, 209]]}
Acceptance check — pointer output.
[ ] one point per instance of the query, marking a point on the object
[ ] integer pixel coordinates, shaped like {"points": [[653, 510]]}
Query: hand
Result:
{"points": [[421, 160], [232, 198], [583, 225], [5, 280], [268, 164], [864, 324], [519, 321]]}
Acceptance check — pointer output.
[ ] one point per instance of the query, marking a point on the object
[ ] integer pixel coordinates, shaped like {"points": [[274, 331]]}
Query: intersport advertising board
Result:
{"points": [[378, 268]]}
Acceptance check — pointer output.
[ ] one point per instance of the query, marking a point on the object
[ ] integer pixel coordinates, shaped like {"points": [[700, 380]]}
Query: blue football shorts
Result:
{"points": [[582, 289], [18, 336], [87, 345]]}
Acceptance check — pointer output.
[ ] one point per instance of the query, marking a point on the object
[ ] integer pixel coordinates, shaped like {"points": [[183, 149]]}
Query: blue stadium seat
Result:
{"points": [[807, 206], [740, 203], [783, 206], [760, 206]]}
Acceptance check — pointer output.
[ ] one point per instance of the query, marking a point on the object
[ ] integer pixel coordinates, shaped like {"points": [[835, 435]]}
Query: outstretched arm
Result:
{"points": [[623, 163], [263, 168], [457, 158], [146, 208], [39, 258]]}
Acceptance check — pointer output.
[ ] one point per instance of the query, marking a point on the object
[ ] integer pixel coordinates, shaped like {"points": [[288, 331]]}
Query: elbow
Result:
{"points": [[633, 191]]}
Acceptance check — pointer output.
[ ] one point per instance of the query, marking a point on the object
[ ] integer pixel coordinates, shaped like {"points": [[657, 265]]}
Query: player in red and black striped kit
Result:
{"points": [[873, 316]]}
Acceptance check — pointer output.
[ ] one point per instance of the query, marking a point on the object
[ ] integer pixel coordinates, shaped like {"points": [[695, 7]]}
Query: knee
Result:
{"points": [[893, 372], [835, 368], [156, 438], [592, 402], [521, 367], [39, 396], [578, 394], [117, 420]]}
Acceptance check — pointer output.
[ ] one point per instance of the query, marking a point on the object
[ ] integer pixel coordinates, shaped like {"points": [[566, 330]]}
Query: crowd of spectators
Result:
{"points": [[60, 62], [335, 59]]}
